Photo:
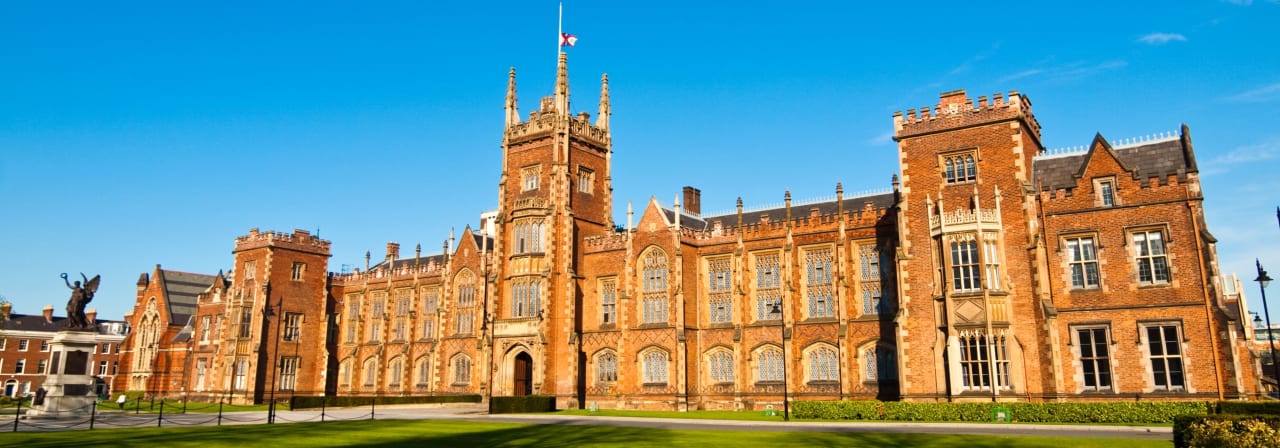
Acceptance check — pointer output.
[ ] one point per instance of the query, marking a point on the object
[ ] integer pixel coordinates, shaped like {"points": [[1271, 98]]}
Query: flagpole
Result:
{"points": [[560, 30]]}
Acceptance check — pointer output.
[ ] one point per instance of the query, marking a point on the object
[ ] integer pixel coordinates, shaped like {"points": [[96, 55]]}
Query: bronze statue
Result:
{"points": [[80, 296]]}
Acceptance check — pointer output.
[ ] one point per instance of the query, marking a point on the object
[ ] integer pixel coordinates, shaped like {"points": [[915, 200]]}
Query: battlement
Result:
{"points": [[542, 123], [407, 270], [299, 240], [957, 110]]}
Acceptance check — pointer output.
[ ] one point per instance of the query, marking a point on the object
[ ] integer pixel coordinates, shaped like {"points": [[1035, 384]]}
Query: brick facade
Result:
{"points": [[991, 269]]}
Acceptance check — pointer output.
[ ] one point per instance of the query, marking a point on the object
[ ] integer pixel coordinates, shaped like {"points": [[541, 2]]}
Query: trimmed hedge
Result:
{"points": [[1048, 412], [516, 405], [1224, 430], [1249, 407], [315, 402]]}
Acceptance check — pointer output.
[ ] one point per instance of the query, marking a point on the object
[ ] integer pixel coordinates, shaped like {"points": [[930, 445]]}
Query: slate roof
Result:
{"points": [[878, 201], [37, 322], [422, 261], [1159, 159], [181, 289]]}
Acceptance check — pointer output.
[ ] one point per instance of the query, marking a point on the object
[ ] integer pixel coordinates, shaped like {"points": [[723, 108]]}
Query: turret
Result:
{"points": [[562, 86]]}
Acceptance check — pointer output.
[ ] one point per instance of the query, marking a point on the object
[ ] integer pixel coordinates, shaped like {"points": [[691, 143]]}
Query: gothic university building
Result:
{"points": [[992, 269]]}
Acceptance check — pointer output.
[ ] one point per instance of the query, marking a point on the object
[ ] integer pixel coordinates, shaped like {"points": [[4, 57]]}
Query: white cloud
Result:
{"points": [[1162, 38], [1064, 72], [882, 139], [1258, 95], [1247, 154]]}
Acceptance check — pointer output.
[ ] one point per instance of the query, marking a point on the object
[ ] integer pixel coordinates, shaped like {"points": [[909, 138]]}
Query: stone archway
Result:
{"points": [[522, 374]]}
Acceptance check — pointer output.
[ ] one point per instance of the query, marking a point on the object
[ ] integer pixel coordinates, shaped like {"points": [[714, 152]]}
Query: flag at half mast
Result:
{"points": [[564, 39]]}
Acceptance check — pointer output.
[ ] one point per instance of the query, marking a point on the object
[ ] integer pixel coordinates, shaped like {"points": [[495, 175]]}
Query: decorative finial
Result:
{"points": [[513, 112], [562, 86], [602, 119]]}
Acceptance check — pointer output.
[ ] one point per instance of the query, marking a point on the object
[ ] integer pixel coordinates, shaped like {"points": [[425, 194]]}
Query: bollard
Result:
{"points": [[161, 417], [93, 414], [322, 403], [219, 412]]}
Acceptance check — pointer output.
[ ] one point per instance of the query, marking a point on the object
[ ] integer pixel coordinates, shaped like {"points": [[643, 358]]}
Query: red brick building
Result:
{"points": [[25, 357], [993, 269]]}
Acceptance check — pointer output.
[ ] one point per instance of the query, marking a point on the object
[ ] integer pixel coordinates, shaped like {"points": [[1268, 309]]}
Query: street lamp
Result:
{"points": [[786, 406], [1263, 280], [275, 356]]}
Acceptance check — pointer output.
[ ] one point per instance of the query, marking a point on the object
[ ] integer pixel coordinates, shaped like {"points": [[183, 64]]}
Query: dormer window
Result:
{"points": [[1105, 192]]}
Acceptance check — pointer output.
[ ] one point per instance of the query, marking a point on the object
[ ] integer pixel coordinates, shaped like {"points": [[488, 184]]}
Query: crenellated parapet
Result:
{"points": [[955, 110], [607, 242], [543, 123], [299, 240], [408, 271]]}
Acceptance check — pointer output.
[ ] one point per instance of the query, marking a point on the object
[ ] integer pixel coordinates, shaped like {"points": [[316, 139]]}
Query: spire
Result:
{"points": [[562, 85], [513, 113], [602, 119]]}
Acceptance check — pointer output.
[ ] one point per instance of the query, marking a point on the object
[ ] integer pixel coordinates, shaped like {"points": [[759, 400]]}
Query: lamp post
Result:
{"points": [[275, 358], [1264, 280], [786, 406]]}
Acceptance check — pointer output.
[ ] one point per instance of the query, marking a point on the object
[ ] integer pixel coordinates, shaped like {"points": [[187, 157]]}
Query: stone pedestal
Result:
{"points": [[69, 383]]}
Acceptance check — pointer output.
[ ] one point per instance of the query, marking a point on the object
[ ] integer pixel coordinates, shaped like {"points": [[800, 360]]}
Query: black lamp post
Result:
{"points": [[1263, 280], [786, 405], [275, 358]]}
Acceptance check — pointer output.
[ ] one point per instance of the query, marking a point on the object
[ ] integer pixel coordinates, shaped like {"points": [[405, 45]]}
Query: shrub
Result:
{"points": [[838, 410], [516, 405], [1220, 430], [1048, 412], [1249, 407], [315, 402]]}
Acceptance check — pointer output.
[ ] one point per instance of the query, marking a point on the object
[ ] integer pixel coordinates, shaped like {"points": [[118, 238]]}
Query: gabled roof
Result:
{"points": [[1156, 159], [181, 290]]}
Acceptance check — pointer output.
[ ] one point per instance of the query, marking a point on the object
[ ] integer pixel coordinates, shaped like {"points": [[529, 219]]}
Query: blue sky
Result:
{"points": [[138, 133]]}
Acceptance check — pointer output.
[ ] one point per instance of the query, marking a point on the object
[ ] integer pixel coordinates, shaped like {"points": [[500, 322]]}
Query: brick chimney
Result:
{"points": [[693, 200], [91, 315], [48, 313], [393, 250], [5, 309]]}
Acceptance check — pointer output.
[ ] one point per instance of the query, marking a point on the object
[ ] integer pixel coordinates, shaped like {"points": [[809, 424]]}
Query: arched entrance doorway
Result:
{"points": [[523, 374]]}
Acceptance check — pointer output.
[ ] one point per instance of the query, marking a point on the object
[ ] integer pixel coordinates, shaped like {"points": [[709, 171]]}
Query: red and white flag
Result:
{"points": [[567, 40]]}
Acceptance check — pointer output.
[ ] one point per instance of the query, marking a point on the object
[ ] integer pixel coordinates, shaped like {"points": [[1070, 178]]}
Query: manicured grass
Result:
{"points": [[401, 433], [695, 415]]}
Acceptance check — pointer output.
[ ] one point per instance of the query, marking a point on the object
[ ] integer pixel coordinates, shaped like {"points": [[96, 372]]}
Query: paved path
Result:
{"points": [[477, 412]]}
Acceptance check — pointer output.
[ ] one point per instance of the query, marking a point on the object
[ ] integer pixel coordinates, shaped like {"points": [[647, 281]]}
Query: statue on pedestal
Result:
{"points": [[81, 295]]}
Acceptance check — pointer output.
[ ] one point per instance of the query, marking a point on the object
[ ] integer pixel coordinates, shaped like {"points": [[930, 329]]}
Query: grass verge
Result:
{"points": [[389, 433]]}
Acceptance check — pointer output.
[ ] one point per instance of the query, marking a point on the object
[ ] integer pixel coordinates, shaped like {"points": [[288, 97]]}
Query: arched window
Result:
{"points": [[950, 173], [370, 372], [464, 316], [720, 365], [396, 373], [823, 365], [769, 367], [655, 367], [606, 367], [654, 302], [423, 371], [768, 286], [461, 369], [971, 171]]}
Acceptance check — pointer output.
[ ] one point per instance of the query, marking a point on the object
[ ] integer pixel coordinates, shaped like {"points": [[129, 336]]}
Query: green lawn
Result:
{"points": [[402, 433]]}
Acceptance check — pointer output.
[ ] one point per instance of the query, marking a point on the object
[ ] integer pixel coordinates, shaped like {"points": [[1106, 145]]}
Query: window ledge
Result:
{"points": [[1155, 285]]}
